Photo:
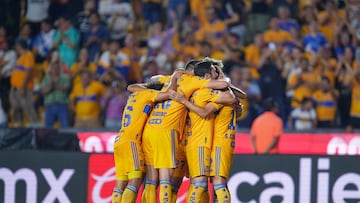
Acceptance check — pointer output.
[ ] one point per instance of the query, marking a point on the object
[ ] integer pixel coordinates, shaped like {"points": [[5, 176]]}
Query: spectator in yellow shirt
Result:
{"points": [[22, 84], [85, 100], [355, 102], [275, 35], [325, 100]]}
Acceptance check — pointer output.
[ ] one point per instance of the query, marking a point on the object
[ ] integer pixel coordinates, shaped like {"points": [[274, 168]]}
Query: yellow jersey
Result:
{"points": [[136, 112], [87, 99], [355, 100], [24, 64], [325, 105], [169, 115], [225, 124], [200, 130]]}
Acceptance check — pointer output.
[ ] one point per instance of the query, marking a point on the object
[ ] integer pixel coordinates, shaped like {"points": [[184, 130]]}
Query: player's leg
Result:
{"points": [[120, 170], [198, 186], [165, 187], [164, 157], [179, 172], [118, 191], [199, 164], [221, 190], [131, 190], [151, 181], [220, 167]]}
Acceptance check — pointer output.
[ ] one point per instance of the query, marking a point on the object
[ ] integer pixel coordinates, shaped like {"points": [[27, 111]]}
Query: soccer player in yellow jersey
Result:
{"points": [[160, 137], [128, 155]]}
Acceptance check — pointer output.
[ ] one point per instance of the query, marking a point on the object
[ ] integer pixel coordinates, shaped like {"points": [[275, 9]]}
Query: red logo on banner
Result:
{"points": [[101, 179]]}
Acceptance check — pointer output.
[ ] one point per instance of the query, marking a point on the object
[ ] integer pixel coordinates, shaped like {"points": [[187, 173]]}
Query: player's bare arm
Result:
{"points": [[238, 92], [201, 111]]}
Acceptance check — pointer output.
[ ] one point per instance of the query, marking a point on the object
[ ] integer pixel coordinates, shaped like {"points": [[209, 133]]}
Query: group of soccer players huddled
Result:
{"points": [[175, 126]]}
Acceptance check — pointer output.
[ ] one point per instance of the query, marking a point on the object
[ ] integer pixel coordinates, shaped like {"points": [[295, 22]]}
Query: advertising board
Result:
{"points": [[34, 176]]}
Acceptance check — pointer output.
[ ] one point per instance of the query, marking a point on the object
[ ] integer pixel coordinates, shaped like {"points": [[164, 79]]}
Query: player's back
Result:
{"points": [[136, 112], [170, 114]]}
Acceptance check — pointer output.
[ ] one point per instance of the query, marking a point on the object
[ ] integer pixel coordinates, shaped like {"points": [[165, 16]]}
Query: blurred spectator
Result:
{"points": [[258, 17], [213, 30], [266, 129], [134, 52], [36, 12], [233, 53], [25, 35], [55, 87], [272, 84], [8, 59], [252, 54], [232, 13], [66, 40], [94, 36], [329, 18], [10, 14], [150, 68], [355, 102], [315, 39], [176, 8], [324, 64], [151, 10], [303, 83], [304, 117], [325, 101], [344, 38], [3, 117], [3, 37], [83, 63], [121, 17], [85, 101], [82, 22], [241, 77], [285, 22], [43, 42], [343, 78], [275, 37], [114, 103], [114, 59], [22, 84]]}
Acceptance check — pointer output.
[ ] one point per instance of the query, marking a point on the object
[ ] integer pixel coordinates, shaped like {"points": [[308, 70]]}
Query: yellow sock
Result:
{"points": [[205, 197], [129, 195], [165, 192], [116, 196], [149, 193], [196, 191], [222, 193]]}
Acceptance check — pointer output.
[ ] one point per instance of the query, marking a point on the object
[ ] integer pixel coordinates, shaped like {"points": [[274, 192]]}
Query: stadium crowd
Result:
{"points": [[69, 62]]}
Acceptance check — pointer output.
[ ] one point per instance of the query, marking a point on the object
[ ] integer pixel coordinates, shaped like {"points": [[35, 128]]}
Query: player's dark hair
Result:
{"points": [[191, 64], [269, 104], [202, 68], [156, 85]]}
